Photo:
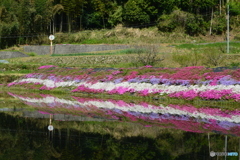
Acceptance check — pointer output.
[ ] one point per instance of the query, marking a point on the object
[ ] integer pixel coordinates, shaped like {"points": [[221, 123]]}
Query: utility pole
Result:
{"points": [[225, 147], [227, 26]]}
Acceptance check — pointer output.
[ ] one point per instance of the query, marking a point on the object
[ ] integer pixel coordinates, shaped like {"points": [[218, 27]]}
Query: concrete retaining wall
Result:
{"points": [[69, 48], [10, 54]]}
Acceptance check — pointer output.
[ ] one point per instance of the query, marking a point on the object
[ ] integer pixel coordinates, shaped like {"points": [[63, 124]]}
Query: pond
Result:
{"points": [[44, 126]]}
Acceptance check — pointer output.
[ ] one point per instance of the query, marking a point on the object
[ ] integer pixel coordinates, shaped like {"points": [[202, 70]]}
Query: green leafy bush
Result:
{"points": [[187, 59], [147, 55], [213, 56]]}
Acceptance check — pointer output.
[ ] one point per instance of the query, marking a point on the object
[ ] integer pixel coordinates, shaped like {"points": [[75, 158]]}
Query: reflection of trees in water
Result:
{"points": [[26, 138], [21, 139]]}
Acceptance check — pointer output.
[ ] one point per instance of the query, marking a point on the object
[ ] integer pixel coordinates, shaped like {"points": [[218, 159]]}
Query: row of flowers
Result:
{"points": [[169, 76], [184, 117], [187, 83]]}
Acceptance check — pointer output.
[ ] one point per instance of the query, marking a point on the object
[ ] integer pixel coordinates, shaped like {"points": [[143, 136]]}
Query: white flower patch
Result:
{"points": [[108, 86]]}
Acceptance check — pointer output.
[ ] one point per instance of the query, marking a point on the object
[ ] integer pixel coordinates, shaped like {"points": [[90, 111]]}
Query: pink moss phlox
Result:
{"points": [[116, 72], [82, 88], [120, 103], [11, 84], [148, 66], [189, 95], [235, 97], [46, 88], [120, 90], [144, 92], [132, 75], [46, 67], [215, 94]]}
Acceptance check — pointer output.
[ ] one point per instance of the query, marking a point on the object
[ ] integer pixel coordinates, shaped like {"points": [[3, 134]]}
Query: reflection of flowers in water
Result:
{"points": [[42, 112], [154, 116], [184, 117], [228, 125]]}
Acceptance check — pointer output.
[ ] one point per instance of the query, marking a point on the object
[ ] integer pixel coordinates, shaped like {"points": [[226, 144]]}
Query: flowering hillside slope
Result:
{"points": [[182, 83]]}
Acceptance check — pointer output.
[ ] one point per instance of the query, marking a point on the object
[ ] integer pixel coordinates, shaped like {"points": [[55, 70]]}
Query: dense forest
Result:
{"points": [[27, 19]]}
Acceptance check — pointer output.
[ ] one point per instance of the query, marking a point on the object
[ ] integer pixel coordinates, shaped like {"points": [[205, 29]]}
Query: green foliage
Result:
{"points": [[72, 10], [234, 8], [26, 13], [189, 23], [8, 26], [22, 20], [234, 64], [166, 23], [138, 12], [147, 55], [213, 56], [115, 16], [31, 54], [219, 24], [43, 15], [187, 59], [196, 25]]}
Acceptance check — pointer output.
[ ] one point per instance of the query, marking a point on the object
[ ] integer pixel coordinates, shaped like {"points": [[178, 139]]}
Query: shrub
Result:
{"points": [[31, 54], [166, 23], [187, 59], [147, 55], [219, 24], [195, 25], [213, 56], [177, 19]]}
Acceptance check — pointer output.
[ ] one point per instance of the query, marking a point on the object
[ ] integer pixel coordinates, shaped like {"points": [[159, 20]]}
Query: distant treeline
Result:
{"points": [[24, 20]]}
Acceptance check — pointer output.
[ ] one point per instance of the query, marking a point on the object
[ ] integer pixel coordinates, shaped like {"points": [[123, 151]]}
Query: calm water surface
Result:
{"points": [[40, 126]]}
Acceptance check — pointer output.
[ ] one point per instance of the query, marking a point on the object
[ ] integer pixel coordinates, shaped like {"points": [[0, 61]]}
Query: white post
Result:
{"points": [[51, 38], [51, 48]]}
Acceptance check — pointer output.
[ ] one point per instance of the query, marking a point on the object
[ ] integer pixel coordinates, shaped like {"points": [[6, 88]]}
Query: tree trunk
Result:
{"points": [[69, 23], [80, 23], [53, 28], [210, 31], [103, 22], [50, 28], [61, 23], [220, 6]]}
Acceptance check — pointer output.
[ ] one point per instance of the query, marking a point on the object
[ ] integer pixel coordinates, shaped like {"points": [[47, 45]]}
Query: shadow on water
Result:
{"points": [[47, 127]]}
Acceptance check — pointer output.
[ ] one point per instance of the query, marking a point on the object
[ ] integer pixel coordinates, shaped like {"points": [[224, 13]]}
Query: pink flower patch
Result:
{"points": [[46, 67]]}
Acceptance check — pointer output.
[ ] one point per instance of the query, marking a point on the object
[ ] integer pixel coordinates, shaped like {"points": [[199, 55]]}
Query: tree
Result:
{"points": [[8, 27], [43, 15], [234, 8], [26, 13], [56, 9], [72, 8], [103, 7], [138, 12]]}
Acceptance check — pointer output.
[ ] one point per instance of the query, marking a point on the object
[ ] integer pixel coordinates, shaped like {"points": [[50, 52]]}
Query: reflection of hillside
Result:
{"points": [[25, 135], [62, 117], [181, 117], [22, 138]]}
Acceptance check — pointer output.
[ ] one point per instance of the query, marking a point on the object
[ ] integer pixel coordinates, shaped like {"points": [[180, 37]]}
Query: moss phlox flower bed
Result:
{"points": [[182, 83]]}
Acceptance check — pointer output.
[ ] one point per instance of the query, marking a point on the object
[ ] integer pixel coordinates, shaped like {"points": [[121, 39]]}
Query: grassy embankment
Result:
{"points": [[177, 49]]}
